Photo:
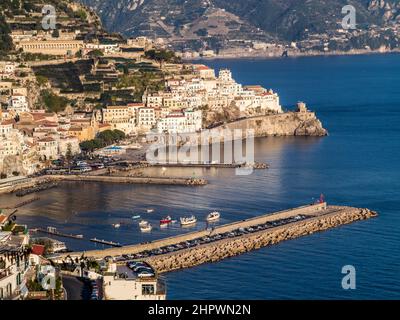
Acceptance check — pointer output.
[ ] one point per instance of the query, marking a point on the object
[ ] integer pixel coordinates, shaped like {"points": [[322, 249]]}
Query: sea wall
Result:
{"points": [[130, 180], [284, 124], [234, 246], [136, 248]]}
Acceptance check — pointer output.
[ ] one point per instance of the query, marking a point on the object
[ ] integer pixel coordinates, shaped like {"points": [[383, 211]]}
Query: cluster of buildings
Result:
{"points": [[20, 262], [181, 106], [30, 137], [69, 43], [33, 136]]}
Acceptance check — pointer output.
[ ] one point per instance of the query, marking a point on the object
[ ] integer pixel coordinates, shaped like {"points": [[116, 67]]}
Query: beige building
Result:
{"points": [[52, 47], [48, 148]]}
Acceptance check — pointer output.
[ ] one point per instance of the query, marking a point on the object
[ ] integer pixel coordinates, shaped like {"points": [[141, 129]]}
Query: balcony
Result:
{"points": [[5, 273]]}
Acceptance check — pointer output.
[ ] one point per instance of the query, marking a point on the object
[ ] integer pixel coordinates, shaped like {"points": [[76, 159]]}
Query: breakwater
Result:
{"points": [[191, 249], [216, 251], [131, 180]]}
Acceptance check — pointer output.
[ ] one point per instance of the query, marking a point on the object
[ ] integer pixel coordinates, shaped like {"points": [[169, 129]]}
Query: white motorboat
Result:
{"points": [[117, 225], [150, 210], [146, 228], [188, 220], [213, 216], [143, 223]]}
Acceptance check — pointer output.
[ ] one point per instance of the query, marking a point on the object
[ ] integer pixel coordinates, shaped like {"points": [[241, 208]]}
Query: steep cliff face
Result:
{"points": [[286, 124]]}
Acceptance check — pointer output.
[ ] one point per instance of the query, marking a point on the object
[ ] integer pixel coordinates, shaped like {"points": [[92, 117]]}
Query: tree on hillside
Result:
{"points": [[161, 56], [6, 43]]}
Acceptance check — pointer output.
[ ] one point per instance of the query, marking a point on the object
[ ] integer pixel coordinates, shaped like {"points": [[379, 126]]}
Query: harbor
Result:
{"points": [[214, 244]]}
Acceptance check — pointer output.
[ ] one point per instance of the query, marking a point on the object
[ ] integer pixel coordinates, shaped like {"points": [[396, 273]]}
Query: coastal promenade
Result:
{"points": [[317, 217]]}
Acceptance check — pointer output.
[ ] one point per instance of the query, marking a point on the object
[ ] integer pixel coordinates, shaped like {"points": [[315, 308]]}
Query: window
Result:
{"points": [[147, 289]]}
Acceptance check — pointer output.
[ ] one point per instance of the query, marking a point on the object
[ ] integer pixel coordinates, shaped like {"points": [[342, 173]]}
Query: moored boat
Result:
{"points": [[146, 228], [166, 220], [117, 225], [188, 220], [135, 217], [213, 216], [143, 223], [150, 210]]}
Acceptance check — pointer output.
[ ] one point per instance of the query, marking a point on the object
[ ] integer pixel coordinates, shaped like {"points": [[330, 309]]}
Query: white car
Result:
{"points": [[146, 274]]}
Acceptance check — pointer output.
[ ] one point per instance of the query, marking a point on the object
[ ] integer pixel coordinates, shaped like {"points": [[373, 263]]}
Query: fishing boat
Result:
{"points": [[143, 223], [213, 216], [188, 220], [146, 228], [166, 220], [135, 217], [150, 210]]}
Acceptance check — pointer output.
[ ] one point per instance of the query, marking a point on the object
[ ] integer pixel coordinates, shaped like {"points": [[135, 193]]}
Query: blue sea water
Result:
{"points": [[357, 98]]}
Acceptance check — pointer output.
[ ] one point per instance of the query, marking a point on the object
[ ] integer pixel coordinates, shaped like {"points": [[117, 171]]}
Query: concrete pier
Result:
{"points": [[319, 217], [37, 181], [131, 180]]}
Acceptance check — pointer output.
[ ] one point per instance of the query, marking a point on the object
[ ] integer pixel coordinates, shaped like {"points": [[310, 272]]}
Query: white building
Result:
{"points": [[11, 140], [186, 121], [146, 117], [14, 264], [106, 48], [7, 69], [18, 103], [121, 283]]}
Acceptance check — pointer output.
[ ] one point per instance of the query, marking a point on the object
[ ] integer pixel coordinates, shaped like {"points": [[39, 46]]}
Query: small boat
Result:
{"points": [[143, 223], [135, 217], [213, 216], [150, 210], [166, 220], [117, 225], [146, 228], [188, 220], [174, 221], [164, 225]]}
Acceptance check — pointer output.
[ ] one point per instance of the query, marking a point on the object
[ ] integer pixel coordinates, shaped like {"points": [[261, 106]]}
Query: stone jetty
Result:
{"points": [[223, 249], [132, 180], [297, 222]]}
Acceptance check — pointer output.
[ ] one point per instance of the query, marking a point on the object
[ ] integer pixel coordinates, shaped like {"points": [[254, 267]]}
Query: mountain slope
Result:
{"points": [[211, 23]]}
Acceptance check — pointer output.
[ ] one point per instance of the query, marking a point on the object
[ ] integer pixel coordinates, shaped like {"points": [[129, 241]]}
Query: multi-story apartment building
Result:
{"points": [[48, 148], [18, 103], [14, 264], [186, 121], [146, 118]]}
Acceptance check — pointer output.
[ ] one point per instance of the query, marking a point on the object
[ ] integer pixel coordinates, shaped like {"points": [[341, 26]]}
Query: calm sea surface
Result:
{"points": [[358, 100]]}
